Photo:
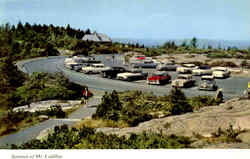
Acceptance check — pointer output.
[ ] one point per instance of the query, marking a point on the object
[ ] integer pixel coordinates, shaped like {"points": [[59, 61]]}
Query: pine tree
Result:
{"points": [[179, 104], [193, 42]]}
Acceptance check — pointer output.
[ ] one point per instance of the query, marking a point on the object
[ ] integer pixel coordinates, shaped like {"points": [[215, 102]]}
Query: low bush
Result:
{"points": [[223, 64], [88, 138], [53, 111], [134, 107], [219, 55], [43, 86], [13, 121], [201, 101]]}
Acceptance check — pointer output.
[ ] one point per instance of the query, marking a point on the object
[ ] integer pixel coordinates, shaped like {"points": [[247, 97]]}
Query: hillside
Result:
{"points": [[203, 123]]}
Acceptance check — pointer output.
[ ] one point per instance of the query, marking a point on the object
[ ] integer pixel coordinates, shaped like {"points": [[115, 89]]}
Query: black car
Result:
{"points": [[112, 73], [166, 67]]}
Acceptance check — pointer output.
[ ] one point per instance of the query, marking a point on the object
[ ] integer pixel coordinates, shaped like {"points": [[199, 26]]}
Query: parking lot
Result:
{"points": [[232, 87]]}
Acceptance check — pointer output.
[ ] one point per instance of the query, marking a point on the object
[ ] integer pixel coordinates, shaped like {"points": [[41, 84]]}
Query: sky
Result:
{"points": [[141, 19]]}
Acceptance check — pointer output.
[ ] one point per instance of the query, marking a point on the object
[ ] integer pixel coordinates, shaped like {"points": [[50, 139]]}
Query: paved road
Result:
{"points": [[232, 87]]}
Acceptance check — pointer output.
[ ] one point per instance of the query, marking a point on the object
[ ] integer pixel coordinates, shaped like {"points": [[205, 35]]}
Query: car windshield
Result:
{"points": [[208, 81], [204, 67]]}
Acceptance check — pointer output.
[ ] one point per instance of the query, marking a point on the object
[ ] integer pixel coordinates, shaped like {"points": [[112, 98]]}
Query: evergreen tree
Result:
{"points": [[179, 103], [110, 107], [184, 43], [193, 42]]}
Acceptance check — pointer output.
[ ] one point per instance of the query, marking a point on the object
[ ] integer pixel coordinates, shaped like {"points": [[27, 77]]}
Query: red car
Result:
{"points": [[140, 57], [159, 78]]}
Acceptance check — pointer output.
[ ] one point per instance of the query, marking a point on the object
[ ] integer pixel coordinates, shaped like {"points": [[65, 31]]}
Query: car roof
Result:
{"points": [[184, 75], [207, 77], [159, 73], [219, 68], [189, 65], [98, 64]]}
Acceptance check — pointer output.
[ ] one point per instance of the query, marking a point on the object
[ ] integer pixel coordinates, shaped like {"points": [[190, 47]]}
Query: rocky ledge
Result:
{"points": [[205, 122]]}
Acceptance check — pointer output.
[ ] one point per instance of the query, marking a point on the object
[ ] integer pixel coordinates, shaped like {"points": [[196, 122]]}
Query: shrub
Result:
{"points": [[201, 101], [88, 138], [43, 86], [223, 64], [178, 102], [109, 108]]}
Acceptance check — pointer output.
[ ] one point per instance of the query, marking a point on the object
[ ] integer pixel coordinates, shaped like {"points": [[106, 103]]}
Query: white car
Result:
{"points": [[221, 72], [132, 75], [95, 68], [183, 81], [186, 68], [202, 70], [70, 63], [208, 83]]}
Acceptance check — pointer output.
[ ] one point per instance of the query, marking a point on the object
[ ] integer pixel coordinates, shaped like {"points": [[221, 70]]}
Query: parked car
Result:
{"points": [[80, 60], [94, 68], [132, 75], [159, 78], [221, 72], [208, 83], [183, 81], [137, 58], [202, 70], [77, 67], [248, 90], [186, 68], [166, 67], [144, 64], [112, 73], [70, 65]]}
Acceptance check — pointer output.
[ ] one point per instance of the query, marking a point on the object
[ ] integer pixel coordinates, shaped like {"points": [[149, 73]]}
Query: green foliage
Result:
{"points": [[53, 111], [228, 135], [201, 101], [25, 41], [13, 121], [219, 55], [223, 64], [178, 102], [43, 86], [135, 107], [193, 42], [88, 138], [110, 108]]}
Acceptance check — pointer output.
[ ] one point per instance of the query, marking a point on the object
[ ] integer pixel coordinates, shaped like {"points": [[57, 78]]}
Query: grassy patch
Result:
{"points": [[99, 123], [228, 135]]}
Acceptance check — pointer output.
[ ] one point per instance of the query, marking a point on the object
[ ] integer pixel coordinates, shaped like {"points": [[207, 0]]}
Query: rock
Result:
{"points": [[244, 137], [44, 134], [204, 122], [198, 144], [43, 117]]}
